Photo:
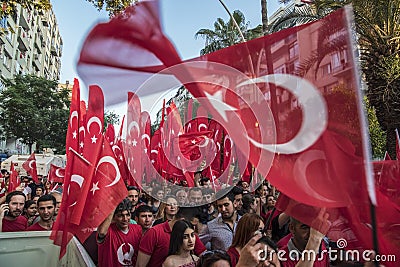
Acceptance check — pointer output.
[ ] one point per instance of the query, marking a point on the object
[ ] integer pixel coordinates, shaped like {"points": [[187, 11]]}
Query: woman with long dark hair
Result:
{"points": [[181, 246]]}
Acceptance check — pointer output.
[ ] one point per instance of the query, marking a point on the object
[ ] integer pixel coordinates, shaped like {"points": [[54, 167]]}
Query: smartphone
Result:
{"points": [[6, 212]]}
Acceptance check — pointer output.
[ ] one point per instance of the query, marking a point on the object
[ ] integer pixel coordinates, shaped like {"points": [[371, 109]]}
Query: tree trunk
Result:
{"points": [[264, 16]]}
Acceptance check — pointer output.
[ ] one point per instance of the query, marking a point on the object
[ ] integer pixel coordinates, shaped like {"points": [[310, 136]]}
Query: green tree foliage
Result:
{"points": [[110, 118], [35, 110], [113, 7], [226, 34], [376, 134]]}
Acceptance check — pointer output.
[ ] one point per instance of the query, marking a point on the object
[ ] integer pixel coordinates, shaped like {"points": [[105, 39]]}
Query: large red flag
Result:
{"points": [[56, 174], [30, 167], [107, 189], [133, 147], [92, 146], [60, 233], [289, 101]]}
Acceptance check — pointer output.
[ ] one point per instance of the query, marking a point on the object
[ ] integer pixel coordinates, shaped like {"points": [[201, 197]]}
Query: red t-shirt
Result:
{"points": [[118, 248], [234, 255], [155, 242], [36, 227], [19, 224]]}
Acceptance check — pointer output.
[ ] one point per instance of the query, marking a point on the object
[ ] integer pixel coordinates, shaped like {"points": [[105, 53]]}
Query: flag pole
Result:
{"points": [[80, 156], [375, 242], [240, 32]]}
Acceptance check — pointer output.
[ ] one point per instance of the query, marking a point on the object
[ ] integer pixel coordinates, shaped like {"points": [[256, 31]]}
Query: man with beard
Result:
{"points": [[46, 207], [219, 232], [11, 219]]}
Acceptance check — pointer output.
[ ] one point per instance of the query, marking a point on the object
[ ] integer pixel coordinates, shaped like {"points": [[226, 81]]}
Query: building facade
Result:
{"points": [[30, 44]]}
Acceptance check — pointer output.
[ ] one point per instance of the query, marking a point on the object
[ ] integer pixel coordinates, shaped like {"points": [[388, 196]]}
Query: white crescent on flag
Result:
{"points": [[96, 120], [112, 161]]}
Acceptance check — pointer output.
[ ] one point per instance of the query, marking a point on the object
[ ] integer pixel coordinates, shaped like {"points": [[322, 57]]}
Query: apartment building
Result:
{"points": [[30, 44]]}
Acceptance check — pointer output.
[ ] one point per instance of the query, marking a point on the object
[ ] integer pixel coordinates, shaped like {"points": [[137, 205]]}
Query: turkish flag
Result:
{"points": [[92, 146], [30, 167], [60, 233], [387, 175], [56, 174], [107, 189], [145, 124], [133, 146], [110, 134], [14, 181], [289, 101], [76, 177]]}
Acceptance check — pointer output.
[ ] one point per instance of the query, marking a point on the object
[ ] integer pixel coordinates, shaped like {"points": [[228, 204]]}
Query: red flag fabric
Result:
{"points": [[30, 167], [107, 189], [92, 146], [56, 174], [387, 156], [110, 134], [63, 227], [60, 233], [133, 147], [289, 101], [72, 138], [14, 180]]}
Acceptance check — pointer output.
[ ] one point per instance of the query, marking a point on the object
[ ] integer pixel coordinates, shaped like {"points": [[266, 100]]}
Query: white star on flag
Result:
{"points": [[95, 187], [218, 103], [134, 142], [94, 139], [74, 134]]}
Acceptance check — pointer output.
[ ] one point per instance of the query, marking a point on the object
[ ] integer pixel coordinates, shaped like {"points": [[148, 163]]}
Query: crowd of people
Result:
{"points": [[180, 228]]}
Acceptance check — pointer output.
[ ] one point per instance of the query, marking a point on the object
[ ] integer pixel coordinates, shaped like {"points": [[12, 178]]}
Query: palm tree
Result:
{"points": [[226, 34], [378, 29]]}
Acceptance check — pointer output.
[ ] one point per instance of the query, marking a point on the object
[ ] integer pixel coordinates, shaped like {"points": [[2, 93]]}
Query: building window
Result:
{"points": [[293, 50]]}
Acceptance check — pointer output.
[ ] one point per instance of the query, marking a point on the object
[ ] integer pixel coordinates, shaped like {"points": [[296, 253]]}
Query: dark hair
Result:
{"points": [[47, 198], [142, 208], [131, 187], [203, 180], [210, 257], [14, 193], [236, 190], [124, 205], [229, 195], [28, 203], [199, 172], [247, 200], [177, 233], [195, 189]]}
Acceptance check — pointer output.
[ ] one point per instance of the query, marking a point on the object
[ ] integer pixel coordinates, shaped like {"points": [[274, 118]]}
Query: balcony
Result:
{"points": [[37, 60], [23, 42]]}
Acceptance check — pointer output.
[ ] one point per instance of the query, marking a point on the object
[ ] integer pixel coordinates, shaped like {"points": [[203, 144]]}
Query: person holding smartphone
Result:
{"points": [[11, 218]]}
